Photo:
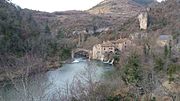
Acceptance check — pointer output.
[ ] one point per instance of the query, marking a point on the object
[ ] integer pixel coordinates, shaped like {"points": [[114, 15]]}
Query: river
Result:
{"points": [[45, 85]]}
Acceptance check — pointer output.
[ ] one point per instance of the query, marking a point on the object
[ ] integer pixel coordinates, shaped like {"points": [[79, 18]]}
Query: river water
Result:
{"points": [[45, 85]]}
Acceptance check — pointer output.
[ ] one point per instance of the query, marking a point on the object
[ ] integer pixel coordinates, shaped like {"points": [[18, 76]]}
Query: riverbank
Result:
{"points": [[18, 73], [8, 75], [11, 74], [49, 83]]}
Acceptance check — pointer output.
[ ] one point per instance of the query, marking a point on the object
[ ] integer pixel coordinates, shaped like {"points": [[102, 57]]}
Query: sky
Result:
{"points": [[160, 0], [57, 5]]}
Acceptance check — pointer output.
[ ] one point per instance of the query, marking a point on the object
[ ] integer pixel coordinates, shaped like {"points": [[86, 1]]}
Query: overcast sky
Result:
{"points": [[57, 5], [160, 0]]}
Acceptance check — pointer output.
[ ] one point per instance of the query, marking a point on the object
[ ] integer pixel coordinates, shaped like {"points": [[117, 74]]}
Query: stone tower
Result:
{"points": [[143, 20]]}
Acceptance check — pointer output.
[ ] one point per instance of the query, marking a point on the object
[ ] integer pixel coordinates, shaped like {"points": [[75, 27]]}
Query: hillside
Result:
{"points": [[25, 43], [106, 14], [144, 63], [122, 8], [166, 16], [15, 27]]}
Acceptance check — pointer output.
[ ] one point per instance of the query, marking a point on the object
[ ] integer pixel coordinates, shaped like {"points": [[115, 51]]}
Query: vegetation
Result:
{"points": [[132, 69], [170, 71], [159, 64], [22, 38], [29, 46]]}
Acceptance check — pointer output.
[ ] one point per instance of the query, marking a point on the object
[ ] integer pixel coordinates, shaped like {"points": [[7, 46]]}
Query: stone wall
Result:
{"points": [[101, 50], [97, 54]]}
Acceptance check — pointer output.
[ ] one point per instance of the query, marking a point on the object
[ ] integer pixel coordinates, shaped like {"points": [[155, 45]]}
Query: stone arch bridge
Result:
{"points": [[81, 51]]}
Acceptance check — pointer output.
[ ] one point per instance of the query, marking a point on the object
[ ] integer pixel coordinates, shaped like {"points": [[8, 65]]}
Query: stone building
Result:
{"points": [[96, 52], [100, 50], [122, 44], [143, 20], [108, 47]]}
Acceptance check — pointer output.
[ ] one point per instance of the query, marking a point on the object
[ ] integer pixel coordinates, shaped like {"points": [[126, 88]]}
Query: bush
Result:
{"points": [[153, 99], [132, 69], [65, 53], [170, 71], [159, 64]]}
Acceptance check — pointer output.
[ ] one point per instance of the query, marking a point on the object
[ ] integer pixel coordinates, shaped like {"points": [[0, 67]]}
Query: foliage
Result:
{"points": [[115, 98], [132, 69], [158, 23], [52, 48], [60, 34], [159, 64], [20, 34], [15, 29], [65, 53], [170, 71], [116, 58], [166, 51], [170, 49], [47, 29], [153, 99]]}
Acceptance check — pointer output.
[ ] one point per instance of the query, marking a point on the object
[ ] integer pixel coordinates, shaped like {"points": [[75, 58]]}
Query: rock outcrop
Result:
{"points": [[143, 20]]}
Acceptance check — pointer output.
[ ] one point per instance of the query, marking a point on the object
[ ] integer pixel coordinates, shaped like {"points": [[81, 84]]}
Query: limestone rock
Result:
{"points": [[143, 20]]}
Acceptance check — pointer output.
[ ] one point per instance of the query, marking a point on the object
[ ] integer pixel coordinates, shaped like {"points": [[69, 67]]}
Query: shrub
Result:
{"points": [[159, 64], [132, 69]]}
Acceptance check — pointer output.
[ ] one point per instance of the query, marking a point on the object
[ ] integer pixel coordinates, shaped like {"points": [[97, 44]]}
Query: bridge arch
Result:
{"points": [[82, 51]]}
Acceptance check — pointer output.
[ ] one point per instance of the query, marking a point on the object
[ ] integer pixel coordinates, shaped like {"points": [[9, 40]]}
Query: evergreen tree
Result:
{"points": [[170, 71], [166, 51], [159, 64], [47, 29], [132, 69]]}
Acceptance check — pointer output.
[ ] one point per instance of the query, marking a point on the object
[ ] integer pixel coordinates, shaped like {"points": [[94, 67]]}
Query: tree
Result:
{"points": [[159, 64], [132, 69], [166, 51], [47, 29], [170, 71], [60, 34], [170, 49]]}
